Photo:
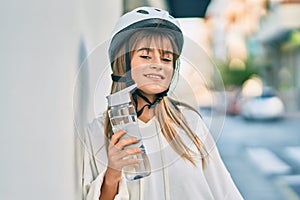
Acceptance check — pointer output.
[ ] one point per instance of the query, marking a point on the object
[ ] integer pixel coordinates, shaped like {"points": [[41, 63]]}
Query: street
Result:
{"points": [[263, 157]]}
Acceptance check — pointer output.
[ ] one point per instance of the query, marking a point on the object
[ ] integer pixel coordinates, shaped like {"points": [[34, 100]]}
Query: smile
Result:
{"points": [[154, 76]]}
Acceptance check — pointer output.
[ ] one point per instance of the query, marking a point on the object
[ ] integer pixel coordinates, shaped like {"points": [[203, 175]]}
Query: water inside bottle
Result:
{"points": [[137, 171]]}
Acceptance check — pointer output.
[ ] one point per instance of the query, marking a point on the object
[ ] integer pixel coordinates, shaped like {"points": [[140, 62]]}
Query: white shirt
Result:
{"points": [[172, 177]]}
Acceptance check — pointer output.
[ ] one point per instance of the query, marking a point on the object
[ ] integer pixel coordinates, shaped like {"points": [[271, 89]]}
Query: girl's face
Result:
{"points": [[152, 66]]}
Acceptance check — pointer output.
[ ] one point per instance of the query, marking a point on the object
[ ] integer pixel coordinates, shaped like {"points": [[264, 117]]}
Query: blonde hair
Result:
{"points": [[167, 111]]}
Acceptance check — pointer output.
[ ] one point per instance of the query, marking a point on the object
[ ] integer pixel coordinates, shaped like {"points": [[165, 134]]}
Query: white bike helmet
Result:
{"points": [[143, 17]]}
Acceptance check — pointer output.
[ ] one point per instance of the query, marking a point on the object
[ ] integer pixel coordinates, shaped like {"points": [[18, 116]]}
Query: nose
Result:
{"points": [[156, 61], [156, 66]]}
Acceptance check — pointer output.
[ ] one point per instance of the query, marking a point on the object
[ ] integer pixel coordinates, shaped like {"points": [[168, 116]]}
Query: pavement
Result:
{"points": [[263, 157]]}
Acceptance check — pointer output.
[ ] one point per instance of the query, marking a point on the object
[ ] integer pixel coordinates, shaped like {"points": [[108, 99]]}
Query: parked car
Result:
{"points": [[233, 101], [267, 106]]}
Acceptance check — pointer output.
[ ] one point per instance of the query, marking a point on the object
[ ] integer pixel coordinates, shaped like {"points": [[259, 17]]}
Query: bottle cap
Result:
{"points": [[120, 97]]}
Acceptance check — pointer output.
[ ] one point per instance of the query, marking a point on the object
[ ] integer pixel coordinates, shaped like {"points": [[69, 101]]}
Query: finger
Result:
{"points": [[126, 141], [117, 135], [123, 158], [130, 161], [115, 149], [118, 165], [130, 151]]}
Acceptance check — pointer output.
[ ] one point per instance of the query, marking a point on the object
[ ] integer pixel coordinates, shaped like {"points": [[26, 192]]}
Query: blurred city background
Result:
{"points": [[48, 86]]}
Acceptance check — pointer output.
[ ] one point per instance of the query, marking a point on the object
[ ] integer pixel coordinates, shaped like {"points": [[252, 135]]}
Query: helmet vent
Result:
{"points": [[157, 10], [143, 11]]}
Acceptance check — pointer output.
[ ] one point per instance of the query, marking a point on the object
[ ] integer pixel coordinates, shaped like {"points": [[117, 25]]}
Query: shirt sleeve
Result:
{"points": [[93, 189], [95, 165]]}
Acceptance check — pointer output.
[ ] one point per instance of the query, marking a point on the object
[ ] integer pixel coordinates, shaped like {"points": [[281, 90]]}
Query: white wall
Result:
{"points": [[39, 57]]}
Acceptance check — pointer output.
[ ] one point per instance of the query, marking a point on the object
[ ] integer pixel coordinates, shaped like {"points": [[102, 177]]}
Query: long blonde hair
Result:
{"points": [[167, 110]]}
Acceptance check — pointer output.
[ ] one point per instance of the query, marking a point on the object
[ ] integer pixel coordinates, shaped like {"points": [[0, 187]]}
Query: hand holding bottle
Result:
{"points": [[116, 162], [117, 153], [124, 146]]}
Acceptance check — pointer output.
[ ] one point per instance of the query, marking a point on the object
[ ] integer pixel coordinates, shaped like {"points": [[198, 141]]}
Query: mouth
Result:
{"points": [[155, 76]]}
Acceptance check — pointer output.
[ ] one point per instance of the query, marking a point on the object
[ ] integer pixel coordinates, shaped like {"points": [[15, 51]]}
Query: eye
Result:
{"points": [[145, 57], [166, 59]]}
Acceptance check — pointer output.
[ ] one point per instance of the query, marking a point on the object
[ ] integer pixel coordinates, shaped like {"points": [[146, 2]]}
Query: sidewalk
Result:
{"points": [[293, 116], [258, 156]]}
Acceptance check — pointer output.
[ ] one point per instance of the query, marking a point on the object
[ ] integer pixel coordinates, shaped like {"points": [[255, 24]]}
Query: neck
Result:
{"points": [[150, 97], [145, 104], [146, 115], [142, 102]]}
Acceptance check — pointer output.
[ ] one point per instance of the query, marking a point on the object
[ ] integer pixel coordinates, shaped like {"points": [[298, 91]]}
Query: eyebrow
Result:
{"points": [[151, 49]]}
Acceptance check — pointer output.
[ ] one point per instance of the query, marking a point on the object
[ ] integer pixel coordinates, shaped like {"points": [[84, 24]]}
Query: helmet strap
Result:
{"points": [[149, 104], [127, 78]]}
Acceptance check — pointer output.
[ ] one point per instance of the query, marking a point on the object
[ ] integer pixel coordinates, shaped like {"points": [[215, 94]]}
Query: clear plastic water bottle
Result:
{"points": [[122, 115]]}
